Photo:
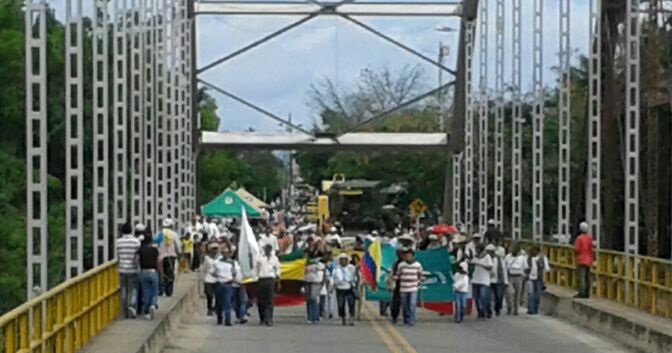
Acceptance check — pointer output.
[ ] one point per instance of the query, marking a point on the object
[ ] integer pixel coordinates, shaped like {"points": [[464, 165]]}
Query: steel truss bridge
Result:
{"points": [[146, 135]]}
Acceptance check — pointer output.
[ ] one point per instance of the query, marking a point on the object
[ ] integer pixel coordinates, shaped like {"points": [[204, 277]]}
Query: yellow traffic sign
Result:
{"points": [[417, 207]]}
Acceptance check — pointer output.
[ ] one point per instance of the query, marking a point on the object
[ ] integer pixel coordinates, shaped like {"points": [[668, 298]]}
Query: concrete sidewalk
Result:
{"points": [[140, 335], [633, 328]]}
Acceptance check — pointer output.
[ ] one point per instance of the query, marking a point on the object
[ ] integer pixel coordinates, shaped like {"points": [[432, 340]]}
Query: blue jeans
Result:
{"points": [[534, 290], [240, 302], [149, 280], [408, 303], [460, 306], [312, 291], [128, 291], [482, 299], [223, 302]]}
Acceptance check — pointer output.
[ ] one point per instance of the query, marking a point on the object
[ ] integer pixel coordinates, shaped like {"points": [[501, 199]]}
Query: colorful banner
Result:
{"points": [[437, 285]]}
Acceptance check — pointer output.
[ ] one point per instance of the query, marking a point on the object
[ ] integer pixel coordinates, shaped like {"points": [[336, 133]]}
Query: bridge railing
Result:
{"points": [[614, 277], [66, 317]]}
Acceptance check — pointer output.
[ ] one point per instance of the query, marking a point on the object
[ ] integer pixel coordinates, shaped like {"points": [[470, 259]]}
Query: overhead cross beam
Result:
{"points": [[253, 106], [312, 9], [387, 8]]}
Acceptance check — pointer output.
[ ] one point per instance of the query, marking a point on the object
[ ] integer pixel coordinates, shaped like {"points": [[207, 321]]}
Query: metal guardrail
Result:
{"points": [[66, 317], [637, 281]]}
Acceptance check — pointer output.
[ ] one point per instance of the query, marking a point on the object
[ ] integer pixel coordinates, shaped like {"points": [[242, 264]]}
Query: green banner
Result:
{"points": [[437, 285]]}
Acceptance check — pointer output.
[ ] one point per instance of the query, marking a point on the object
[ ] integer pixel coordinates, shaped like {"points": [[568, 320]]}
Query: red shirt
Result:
{"points": [[583, 248]]}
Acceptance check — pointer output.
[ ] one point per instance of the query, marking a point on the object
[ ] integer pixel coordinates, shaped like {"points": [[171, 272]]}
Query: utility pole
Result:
{"points": [[444, 51]]}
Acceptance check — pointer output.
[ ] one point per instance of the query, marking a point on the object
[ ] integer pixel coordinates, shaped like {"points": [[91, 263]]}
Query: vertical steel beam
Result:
{"points": [[499, 116], [120, 113], [516, 125], [457, 188], [161, 104], [483, 118], [36, 144], [632, 118], [180, 149], [176, 117], [149, 128], [593, 199], [538, 117], [469, 128], [74, 139], [564, 111], [191, 126], [100, 135], [136, 115]]}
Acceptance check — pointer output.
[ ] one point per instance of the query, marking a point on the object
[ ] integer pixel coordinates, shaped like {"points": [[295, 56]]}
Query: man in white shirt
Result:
{"points": [[314, 282], [498, 277], [195, 228], [267, 270], [270, 239], [345, 282], [212, 229], [208, 279], [481, 281], [126, 248], [225, 270], [516, 266], [538, 265]]}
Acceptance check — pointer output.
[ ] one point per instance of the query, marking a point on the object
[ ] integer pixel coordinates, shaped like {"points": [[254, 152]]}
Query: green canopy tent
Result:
{"points": [[228, 204]]}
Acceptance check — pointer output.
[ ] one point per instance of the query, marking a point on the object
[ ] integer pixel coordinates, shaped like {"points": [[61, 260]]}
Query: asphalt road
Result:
{"points": [[432, 334]]}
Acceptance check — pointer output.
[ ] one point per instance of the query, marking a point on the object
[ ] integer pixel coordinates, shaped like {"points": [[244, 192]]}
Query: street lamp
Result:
{"points": [[444, 51]]}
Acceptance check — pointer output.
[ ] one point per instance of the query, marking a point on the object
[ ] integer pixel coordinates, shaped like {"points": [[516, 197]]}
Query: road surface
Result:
{"points": [[373, 334]]}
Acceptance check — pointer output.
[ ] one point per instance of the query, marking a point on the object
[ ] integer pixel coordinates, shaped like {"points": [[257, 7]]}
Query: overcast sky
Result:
{"points": [[278, 74]]}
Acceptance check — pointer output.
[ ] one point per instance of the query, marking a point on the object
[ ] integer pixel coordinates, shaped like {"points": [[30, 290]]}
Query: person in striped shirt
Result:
{"points": [[126, 248], [409, 273]]}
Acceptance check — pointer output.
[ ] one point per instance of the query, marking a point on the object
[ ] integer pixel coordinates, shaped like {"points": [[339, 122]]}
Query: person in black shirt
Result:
{"points": [[148, 260], [492, 234]]}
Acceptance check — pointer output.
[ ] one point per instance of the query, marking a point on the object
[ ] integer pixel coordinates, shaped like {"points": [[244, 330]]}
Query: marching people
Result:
{"points": [[537, 266], [126, 248], [516, 265], [169, 247], [499, 278], [394, 286], [482, 263], [314, 282], [209, 280], [226, 271], [150, 271], [267, 270], [345, 282], [583, 249], [461, 291], [409, 273], [492, 234]]}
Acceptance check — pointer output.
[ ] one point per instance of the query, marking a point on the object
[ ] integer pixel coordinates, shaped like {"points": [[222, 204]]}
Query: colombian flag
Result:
{"points": [[370, 265]]}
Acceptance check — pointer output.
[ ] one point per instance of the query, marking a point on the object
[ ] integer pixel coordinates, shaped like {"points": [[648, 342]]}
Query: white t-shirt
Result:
{"points": [[461, 282], [314, 272], [534, 271], [516, 265], [482, 275], [494, 272], [344, 277]]}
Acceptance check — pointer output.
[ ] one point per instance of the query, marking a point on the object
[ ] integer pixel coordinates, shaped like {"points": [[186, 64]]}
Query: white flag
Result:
{"points": [[248, 248]]}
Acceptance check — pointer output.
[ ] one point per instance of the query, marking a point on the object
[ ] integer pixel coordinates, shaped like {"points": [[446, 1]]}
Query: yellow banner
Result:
{"points": [[293, 270]]}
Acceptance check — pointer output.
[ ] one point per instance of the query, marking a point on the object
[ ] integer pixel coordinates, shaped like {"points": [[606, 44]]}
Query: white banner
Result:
{"points": [[248, 248]]}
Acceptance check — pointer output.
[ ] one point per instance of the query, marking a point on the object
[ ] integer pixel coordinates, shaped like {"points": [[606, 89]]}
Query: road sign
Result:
{"points": [[417, 207]]}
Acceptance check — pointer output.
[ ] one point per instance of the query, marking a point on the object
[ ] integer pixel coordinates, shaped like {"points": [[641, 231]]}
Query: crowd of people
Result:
{"points": [[499, 276]]}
